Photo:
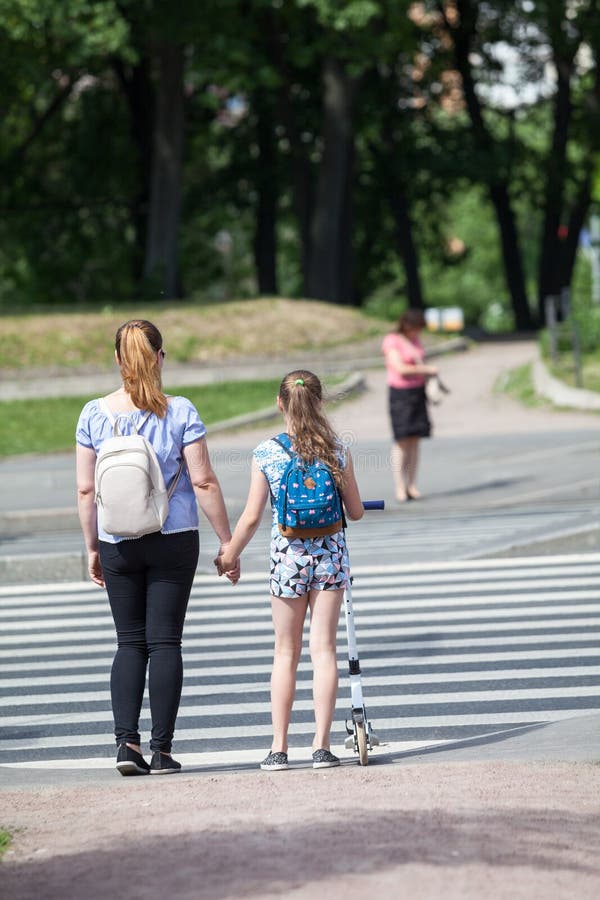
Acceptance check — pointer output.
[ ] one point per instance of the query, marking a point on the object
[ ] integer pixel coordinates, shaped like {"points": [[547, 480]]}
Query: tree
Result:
{"points": [[569, 29], [465, 24], [56, 214]]}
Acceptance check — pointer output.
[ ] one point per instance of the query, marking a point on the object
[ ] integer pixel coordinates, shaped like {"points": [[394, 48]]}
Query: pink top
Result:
{"points": [[410, 352]]}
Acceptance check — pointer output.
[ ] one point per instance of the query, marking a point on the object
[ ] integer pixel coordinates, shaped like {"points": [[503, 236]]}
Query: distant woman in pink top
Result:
{"points": [[406, 376]]}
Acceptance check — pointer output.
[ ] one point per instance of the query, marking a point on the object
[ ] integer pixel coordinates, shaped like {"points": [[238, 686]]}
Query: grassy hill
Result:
{"points": [[191, 333]]}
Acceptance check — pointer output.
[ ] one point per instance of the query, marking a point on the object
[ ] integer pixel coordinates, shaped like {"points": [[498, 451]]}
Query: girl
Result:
{"points": [[306, 573]]}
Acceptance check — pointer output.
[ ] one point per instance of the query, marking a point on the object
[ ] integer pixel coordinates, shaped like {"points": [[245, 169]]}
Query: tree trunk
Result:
{"points": [[137, 87], [302, 187], [330, 263], [462, 36], [407, 247], [511, 254], [302, 182], [552, 254], [577, 218], [265, 234], [161, 265]]}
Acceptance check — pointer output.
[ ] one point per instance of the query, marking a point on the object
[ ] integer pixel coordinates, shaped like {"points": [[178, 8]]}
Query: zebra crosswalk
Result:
{"points": [[448, 651], [422, 535]]}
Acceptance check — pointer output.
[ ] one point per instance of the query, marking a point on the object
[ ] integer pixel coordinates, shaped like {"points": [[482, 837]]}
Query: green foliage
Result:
{"points": [[48, 426], [77, 142], [82, 28], [343, 15], [587, 315], [518, 384], [462, 268], [5, 841], [64, 198]]}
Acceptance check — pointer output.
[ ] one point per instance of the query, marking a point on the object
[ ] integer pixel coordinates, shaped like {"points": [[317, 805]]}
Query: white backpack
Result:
{"points": [[131, 494]]}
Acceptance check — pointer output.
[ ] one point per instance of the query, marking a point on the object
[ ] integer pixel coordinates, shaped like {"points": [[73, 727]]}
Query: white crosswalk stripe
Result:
{"points": [[442, 535], [448, 651]]}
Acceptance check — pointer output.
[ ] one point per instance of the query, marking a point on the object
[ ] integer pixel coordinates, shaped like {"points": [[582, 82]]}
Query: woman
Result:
{"points": [[149, 578], [406, 376], [306, 573]]}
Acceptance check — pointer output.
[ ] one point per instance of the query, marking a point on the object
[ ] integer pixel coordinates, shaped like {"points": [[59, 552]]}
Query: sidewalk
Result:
{"points": [[497, 824]]}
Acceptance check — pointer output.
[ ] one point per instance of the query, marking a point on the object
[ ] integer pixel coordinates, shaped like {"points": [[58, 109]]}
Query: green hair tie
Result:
{"points": [[299, 381]]}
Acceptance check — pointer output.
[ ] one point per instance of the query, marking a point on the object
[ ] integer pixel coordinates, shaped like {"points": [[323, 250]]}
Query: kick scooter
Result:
{"points": [[362, 738]]}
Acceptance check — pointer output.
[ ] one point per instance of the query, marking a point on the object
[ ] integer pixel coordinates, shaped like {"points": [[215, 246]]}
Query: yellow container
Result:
{"points": [[452, 319], [447, 318]]}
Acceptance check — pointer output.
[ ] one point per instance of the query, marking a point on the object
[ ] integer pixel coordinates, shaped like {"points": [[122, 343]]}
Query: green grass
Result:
{"points": [[5, 840], [191, 333], [590, 370], [518, 384], [48, 426]]}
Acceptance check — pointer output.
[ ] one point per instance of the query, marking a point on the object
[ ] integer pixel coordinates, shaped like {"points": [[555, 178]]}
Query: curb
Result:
{"points": [[325, 362], [583, 539], [354, 384], [562, 394]]}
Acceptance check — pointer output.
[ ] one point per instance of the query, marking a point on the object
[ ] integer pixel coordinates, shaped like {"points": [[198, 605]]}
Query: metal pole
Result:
{"points": [[567, 314], [550, 307]]}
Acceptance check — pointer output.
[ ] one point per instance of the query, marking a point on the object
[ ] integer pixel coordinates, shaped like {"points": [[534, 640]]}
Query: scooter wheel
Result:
{"points": [[361, 740]]}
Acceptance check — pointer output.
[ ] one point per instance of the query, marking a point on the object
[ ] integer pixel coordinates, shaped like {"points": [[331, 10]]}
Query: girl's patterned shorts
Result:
{"points": [[298, 566]]}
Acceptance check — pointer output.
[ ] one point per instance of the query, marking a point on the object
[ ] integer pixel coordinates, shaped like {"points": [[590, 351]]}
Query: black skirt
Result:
{"points": [[408, 413]]}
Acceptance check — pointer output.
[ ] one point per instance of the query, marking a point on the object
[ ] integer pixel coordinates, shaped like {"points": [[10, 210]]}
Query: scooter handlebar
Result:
{"points": [[374, 504]]}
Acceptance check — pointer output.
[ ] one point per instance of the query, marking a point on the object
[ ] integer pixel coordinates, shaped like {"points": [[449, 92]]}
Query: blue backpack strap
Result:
{"points": [[284, 441]]}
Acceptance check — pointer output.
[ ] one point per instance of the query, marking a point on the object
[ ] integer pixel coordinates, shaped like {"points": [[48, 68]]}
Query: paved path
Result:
{"points": [[37, 495], [472, 407]]}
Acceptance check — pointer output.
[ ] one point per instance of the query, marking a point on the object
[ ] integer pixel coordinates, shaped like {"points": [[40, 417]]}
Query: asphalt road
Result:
{"points": [[495, 477]]}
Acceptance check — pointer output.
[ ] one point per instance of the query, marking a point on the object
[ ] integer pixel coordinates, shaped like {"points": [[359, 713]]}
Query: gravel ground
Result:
{"points": [[465, 830]]}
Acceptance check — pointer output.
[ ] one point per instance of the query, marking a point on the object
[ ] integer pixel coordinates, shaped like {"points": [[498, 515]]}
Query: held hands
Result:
{"points": [[227, 565]]}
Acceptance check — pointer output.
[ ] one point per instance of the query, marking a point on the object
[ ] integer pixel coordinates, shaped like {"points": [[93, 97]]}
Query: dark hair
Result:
{"points": [[411, 320], [301, 396], [137, 343]]}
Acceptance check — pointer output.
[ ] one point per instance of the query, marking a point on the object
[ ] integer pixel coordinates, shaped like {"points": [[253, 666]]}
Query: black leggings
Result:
{"points": [[148, 580]]}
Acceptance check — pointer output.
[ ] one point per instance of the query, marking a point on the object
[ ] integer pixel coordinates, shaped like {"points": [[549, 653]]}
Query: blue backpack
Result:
{"points": [[309, 503]]}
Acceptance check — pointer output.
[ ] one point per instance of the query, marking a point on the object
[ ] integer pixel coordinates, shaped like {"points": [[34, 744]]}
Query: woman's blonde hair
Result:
{"points": [[313, 437], [137, 344]]}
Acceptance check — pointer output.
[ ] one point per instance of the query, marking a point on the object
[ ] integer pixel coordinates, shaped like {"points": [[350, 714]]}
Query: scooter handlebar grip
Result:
{"points": [[374, 504]]}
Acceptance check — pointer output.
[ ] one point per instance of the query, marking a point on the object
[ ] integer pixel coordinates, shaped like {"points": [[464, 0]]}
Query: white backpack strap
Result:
{"points": [[103, 407], [114, 420], [142, 423]]}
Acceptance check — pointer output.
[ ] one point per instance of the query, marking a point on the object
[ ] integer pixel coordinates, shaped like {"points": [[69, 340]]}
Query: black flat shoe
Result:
{"points": [[130, 762], [163, 764]]}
